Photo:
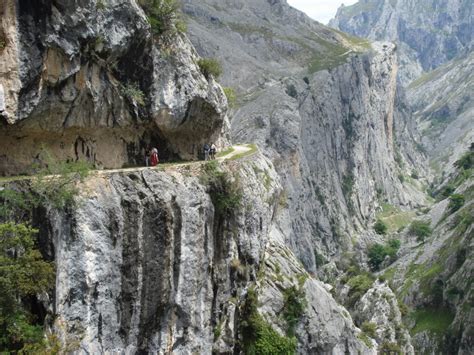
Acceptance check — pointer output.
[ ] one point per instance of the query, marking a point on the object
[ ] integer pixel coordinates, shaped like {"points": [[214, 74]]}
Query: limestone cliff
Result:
{"points": [[80, 79], [147, 264], [324, 107]]}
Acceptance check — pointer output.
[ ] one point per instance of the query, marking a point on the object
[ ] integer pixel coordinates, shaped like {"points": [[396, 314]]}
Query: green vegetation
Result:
{"points": [[225, 192], [258, 336], [210, 67], [378, 252], [387, 348], [466, 162], [370, 329], [133, 93], [3, 41], [365, 339], [456, 201], [435, 321], [231, 96], [293, 307], [358, 285], [380, 227], [163, 15], [225, 152], [23, 271], [394, 218], [100, 5], [421, 230], [253, 150], [330, 56]]}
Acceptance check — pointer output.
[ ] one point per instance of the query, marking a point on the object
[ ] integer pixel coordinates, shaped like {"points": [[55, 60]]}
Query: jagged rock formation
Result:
{"points": [[81, 79], [331, 127], [429, 33]]}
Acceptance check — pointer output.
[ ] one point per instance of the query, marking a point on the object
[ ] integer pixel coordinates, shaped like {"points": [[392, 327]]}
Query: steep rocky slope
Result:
{"points": [[428, 32], [148, 263], [443, 101], [333, 128], [79, 79]]}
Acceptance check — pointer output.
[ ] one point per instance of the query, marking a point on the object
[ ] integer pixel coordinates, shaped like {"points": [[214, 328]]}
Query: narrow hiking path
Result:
{"points": [[234, 152]]}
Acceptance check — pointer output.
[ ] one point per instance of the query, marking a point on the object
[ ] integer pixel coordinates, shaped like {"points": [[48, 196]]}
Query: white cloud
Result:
{"points": [[320, 10]]}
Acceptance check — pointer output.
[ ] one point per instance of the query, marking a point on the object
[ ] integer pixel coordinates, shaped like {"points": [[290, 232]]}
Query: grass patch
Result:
{"points": [[395, 218], [253, 150], [225, 152], [435, 321]]}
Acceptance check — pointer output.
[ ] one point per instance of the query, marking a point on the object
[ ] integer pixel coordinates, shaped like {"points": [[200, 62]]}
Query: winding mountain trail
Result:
{"points": [[234, 152]]}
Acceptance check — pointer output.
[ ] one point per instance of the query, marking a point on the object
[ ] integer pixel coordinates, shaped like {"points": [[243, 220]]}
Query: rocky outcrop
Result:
{"points": [[429, 33], [146, 263], [332, 128], [81, 79]]}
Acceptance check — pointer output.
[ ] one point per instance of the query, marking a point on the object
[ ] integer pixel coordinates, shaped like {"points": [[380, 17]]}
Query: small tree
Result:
{"points": [[23, 272], [380, 227], [421, 230], [231, 96], [456, 202]]}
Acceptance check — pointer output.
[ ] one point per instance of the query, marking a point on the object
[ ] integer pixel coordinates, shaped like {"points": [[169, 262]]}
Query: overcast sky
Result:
{"points": [[320, 10]]}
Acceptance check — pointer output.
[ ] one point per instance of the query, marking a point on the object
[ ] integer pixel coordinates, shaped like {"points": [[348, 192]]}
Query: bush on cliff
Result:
{"points": [[226, 192], [163, 15], [420, 229], [210, 66]]}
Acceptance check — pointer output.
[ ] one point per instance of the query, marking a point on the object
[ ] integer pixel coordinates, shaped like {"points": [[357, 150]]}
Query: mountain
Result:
{"points": [[297, 239], [429, 32], [333, 130]]}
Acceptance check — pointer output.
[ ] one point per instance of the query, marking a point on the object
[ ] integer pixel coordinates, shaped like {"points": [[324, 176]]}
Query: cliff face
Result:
{"points": [[146, 263], [81, 78], [429, 32], [332, 129], [443, 101]]}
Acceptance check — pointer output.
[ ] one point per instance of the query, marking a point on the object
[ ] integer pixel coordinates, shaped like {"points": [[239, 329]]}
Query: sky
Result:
{"points": [[320, 10]]}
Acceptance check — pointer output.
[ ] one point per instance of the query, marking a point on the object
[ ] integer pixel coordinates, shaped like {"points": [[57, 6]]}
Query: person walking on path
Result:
{"points": [[154, 160], [147, 156], [213, 151], [206, 151]]}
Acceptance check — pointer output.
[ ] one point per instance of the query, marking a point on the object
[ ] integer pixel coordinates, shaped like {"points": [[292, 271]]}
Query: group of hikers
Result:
{"points": [[152, 159], [210, 151]]}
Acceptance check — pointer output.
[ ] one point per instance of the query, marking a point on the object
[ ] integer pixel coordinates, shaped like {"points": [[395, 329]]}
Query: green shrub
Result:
{"points": [[100, 5], [380, 227], [293, 307], [358, 286], [456, 201], [466, 162], [56, 182], [134, 94], [387, 348], [226, 194], [415, 175], [401, 178], [420, 229], [370, 329], [231, 96], [378, 252], [210, 66], [163, 15], [257, 336], [447, 190]]}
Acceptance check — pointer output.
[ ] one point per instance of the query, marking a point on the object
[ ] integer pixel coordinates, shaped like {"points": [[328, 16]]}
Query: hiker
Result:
{"points": [[213, 151], [147, 156], [206, 151], [154, 160]]}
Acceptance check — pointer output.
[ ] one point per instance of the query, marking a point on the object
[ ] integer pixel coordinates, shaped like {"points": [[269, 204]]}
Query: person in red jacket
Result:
{"points": [[154, 160]]}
